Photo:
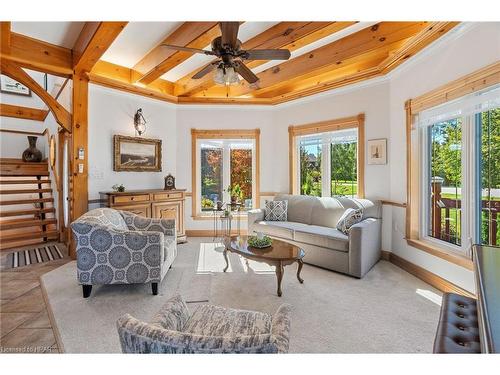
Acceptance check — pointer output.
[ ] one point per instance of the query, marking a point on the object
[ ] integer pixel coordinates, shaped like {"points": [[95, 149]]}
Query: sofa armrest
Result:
{"points": [[364, 246], [138, 222], [280, 328], [254, 216], [173, 315]]}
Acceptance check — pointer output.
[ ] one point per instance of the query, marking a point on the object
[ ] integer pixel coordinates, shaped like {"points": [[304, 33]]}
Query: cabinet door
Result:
{"points": [[171, 210], [138, 209]]}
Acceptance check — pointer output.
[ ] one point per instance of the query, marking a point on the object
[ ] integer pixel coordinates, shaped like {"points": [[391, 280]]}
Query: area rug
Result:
{"points": [[388, 311], [39, 254]]}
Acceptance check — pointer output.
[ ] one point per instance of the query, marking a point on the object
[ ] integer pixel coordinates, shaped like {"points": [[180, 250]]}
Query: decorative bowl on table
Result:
{"points": [[259, 243]]}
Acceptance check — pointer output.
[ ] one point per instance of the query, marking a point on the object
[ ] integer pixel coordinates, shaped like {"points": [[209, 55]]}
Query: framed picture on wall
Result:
{"points": [[10, 86], [377, 151], [134, 154]]}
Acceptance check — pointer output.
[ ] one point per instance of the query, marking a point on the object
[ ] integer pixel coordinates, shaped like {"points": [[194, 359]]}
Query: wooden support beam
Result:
{"points": [[26, 113], [92, 43], [79, 196], [5, 37], [118, 77], [287, 35], [161, 59], [38, 55], [61, 115]]}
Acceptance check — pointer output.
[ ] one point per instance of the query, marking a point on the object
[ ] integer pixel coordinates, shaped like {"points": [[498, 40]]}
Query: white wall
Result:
{"points": [[112, 112]]}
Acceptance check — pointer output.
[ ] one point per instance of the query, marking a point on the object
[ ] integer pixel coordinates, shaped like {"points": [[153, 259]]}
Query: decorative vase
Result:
{"points": [[32, 154]]}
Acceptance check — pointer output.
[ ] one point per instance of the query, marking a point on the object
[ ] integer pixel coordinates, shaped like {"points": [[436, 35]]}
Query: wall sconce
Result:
{"points": [[139, 122]]}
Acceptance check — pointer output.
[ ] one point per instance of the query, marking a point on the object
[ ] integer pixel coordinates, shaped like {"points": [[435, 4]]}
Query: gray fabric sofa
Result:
{"points": [[119, 247], [311, 225], [208, 329]]}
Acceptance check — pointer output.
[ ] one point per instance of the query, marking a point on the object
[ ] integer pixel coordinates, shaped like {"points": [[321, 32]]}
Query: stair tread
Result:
{"points": [[11, 213], [25, 223], [25, 191], [26, 201], [25, 182], [28, 235]]}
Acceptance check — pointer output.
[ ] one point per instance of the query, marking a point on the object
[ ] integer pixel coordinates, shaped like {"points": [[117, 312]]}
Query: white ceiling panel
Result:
{"points": [[59, 33], [247, 31], [136, 40]]}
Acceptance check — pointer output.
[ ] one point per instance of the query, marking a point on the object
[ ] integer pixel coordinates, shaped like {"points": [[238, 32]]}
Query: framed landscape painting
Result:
{"points": [[134, 154], [10, 86], [377, 151]]}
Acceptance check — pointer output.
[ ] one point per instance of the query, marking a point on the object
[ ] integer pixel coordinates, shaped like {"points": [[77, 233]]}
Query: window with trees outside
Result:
{"points": [[226, 168], [461, 159], [326, 158]]}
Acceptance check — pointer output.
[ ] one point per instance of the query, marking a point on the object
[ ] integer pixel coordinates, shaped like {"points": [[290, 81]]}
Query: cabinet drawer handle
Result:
{"points": [[131, 198]]}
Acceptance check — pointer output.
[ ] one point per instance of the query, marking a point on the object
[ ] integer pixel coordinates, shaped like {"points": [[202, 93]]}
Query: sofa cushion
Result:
{"points": [[326, 212], [281, 229], [348, 219], [276, 210], [209, 320], [299, 207], [323, 237], [371, 209]]}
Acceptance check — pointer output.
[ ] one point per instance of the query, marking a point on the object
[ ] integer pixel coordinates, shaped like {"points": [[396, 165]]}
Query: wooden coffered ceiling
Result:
{"points": [[325, 55]]}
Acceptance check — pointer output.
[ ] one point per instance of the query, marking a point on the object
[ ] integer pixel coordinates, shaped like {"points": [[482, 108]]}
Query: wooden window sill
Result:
{"points": [[441, 253]]}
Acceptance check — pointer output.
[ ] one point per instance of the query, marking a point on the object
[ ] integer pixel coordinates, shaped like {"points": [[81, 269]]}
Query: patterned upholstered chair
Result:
{"points": [[119, 247], [209, 329]]}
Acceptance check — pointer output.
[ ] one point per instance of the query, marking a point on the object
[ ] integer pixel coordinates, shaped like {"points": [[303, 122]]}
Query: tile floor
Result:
{"points": [[24, 322]]}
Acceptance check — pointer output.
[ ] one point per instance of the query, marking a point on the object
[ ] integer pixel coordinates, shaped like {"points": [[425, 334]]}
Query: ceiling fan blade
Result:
{"points": [[188, 49], [266, 54], [245, 72], [205, 70], [229, 33]]}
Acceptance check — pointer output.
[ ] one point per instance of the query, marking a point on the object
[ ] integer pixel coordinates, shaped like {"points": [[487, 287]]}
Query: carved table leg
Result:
{"points": [[279, 274], [301, 263], [227, 261]]}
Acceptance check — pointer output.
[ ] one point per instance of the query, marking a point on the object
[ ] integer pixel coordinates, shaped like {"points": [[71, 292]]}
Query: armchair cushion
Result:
{"points": [[210, 329]]}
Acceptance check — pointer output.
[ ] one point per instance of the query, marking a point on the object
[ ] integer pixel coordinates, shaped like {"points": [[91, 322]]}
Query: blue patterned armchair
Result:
{"points": [[119, 247], [209, 329]]}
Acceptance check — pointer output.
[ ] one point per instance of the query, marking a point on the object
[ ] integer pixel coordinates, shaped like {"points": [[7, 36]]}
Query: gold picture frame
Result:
{"points": [[135, 154]]}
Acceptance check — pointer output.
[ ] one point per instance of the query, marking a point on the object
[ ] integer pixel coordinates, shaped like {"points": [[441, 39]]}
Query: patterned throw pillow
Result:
{"points": [[348, 219], [276, 210]]}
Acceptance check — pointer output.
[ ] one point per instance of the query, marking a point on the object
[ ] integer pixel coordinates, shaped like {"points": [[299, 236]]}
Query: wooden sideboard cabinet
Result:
{"points": [[159, 204]]}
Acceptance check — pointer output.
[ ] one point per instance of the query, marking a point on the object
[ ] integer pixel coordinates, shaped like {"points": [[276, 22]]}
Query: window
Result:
{"points": [[460, 148], [223, 159], [326, 158]]}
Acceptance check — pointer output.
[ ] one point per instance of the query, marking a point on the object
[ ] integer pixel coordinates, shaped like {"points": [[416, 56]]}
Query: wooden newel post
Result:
{"points": [[436, 184]]}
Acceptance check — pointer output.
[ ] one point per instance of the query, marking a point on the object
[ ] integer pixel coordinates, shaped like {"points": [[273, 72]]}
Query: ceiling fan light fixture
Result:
{"points": [[226, 76]]}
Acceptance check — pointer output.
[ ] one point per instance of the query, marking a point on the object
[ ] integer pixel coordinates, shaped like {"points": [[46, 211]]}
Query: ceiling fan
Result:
{"points": [[230, 62]]}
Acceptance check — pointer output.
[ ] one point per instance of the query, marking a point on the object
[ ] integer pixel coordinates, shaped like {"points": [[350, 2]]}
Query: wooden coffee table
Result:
{"points": [[279, 254]]}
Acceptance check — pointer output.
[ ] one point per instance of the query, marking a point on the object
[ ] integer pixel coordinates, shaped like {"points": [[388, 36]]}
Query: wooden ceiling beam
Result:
{"points": [[5, 36], [288, 35], [160, 59], [61, 115], [363, 41], [26, 113], [119, 78], [93, 41], [38, 55]]}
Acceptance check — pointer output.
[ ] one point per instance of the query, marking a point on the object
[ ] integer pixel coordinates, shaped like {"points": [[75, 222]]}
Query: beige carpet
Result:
{"points": [[388, 311]]}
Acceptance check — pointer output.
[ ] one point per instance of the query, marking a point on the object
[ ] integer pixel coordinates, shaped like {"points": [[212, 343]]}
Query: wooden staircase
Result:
{"points": [[27, 211]]}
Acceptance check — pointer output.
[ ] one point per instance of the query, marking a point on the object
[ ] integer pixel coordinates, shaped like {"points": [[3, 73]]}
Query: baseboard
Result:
{"points": [[430, 278], [208, 232]]}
